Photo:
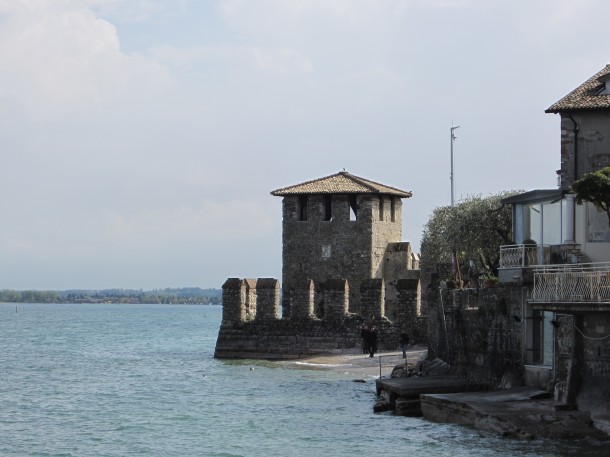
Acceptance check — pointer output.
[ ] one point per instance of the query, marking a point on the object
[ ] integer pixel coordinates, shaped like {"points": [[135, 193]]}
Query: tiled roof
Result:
{"points": [[586, 96], [340, 183]]}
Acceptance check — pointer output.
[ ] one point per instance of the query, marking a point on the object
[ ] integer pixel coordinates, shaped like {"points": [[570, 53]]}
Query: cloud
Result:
{"points": [[213, 220], [354, 12], [282, 61], [109, 233], [137, 10], [59, 56]]}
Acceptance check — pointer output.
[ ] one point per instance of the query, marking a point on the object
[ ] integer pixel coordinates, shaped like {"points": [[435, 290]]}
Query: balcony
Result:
{"points": [[522, 255], [572, 284], [517, 261]]}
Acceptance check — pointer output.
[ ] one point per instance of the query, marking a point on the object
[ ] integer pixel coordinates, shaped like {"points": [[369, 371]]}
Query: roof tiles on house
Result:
{"points": [[588, 96], [340, 183]]}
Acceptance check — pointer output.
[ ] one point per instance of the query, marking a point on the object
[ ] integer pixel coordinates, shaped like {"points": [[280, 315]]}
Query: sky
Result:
{"points": [[140, 139]]}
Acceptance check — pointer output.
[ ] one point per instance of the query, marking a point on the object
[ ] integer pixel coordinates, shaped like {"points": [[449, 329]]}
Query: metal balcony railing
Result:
{"points": [[572, 283], [523, 256]]}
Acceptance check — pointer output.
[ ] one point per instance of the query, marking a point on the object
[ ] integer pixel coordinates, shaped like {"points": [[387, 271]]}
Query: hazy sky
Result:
{"points": [[140, 138]]}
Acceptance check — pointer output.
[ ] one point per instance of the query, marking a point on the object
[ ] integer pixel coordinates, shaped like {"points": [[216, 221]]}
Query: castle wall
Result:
{"points": [[303, 334]]}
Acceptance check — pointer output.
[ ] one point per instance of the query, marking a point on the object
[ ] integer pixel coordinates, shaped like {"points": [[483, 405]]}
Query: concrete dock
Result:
{"points": [[402, 395], [522, 412]]}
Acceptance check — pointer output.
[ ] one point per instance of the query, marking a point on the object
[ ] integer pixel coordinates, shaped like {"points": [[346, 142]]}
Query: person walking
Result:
{"points": [[372, 341], [404, 344], [364, 334]]}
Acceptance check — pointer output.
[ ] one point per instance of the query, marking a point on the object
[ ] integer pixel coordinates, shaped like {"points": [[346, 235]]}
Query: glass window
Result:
{"points": [[532, 222], [551, 226]]}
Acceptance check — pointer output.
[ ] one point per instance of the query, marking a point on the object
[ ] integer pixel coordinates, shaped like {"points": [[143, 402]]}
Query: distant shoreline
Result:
{"points": [[184, 296]]}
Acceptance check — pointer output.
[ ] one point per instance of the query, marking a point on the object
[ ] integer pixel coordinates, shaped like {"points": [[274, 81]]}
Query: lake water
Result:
{"points": [[141, 380]]}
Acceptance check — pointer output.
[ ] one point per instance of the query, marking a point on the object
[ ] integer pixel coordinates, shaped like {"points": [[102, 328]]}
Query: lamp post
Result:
{"points": [[453, 137]]}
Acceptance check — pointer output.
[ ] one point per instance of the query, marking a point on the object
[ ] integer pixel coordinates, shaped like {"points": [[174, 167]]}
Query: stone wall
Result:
{"points": [[267, 336], [583, 339], [479, 332], [589, 146]]}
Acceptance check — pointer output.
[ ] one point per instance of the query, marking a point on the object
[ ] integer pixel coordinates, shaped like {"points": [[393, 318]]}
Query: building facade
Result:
{"points": [[562, 256]]}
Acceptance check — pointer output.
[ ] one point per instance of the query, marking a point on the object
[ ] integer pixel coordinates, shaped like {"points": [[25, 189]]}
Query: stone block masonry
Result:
{"points": [[262, 334]]}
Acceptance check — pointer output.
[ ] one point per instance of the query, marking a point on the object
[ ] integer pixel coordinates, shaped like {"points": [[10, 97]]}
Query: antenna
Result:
{"points": [[453, 137]]}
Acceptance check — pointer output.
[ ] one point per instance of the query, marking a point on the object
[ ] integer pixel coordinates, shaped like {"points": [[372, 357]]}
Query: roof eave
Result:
{"points": [[393, 194], [552, 110]]}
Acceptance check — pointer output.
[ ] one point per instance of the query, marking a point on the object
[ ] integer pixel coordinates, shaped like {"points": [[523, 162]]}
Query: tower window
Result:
{"points": [[302, 207], [328, 208], [353, 208], [393, 209], [381, 207]]}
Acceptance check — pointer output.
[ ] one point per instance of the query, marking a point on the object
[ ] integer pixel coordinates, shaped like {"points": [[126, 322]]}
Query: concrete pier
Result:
{"points": [[402, 395], [522, 412]]}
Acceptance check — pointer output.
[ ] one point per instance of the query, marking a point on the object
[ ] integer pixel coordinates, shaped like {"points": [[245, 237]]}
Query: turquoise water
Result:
{"points": [[123, 380]]}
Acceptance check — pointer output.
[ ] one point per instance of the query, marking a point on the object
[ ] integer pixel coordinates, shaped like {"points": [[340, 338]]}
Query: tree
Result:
{"points": [[594, 187], [473, 229]]}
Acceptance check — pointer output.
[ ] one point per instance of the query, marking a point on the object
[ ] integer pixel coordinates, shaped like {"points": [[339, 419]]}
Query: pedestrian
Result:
{"points": [[404, 344], [364, 334], [372, 341]]}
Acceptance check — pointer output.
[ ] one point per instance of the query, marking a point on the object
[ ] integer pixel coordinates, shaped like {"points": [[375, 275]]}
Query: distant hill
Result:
{"points": [[186, 295]]}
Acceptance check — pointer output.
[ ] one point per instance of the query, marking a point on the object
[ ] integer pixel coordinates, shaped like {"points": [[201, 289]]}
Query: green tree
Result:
{"points": [[474, 229], [594, 187]]}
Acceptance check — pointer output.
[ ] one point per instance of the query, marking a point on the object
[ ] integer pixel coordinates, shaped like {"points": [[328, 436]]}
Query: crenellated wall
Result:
{"points": [[254, 329]]}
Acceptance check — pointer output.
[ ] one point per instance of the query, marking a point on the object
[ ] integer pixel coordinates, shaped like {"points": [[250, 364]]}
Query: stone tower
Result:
{"points": [[342, 227]]}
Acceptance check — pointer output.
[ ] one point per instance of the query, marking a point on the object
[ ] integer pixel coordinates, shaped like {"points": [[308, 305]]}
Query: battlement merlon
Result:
{"points": [[302, 300], [268, 299], [233, 301], [372, 299]]}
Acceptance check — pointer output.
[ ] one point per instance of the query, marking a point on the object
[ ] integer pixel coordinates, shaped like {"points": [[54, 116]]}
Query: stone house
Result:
{"points": [[344, 264]]}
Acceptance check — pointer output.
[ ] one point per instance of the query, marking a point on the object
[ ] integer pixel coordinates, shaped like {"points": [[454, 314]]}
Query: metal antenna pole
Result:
{"points": [[456, 264], [453, 137]]}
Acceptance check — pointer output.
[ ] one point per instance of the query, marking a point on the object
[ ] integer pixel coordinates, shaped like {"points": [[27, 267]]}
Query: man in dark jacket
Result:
{"points": [[372, 341], [404, 344]]}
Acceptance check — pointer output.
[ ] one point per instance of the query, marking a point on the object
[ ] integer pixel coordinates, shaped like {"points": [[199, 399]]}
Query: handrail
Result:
{"points": [[582, 267], [572, 283], [524, 255], [380, 356]]}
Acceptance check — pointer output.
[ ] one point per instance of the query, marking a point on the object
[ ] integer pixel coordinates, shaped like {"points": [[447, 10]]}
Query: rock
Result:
{"points": [[381, 406], [411, 408]]}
